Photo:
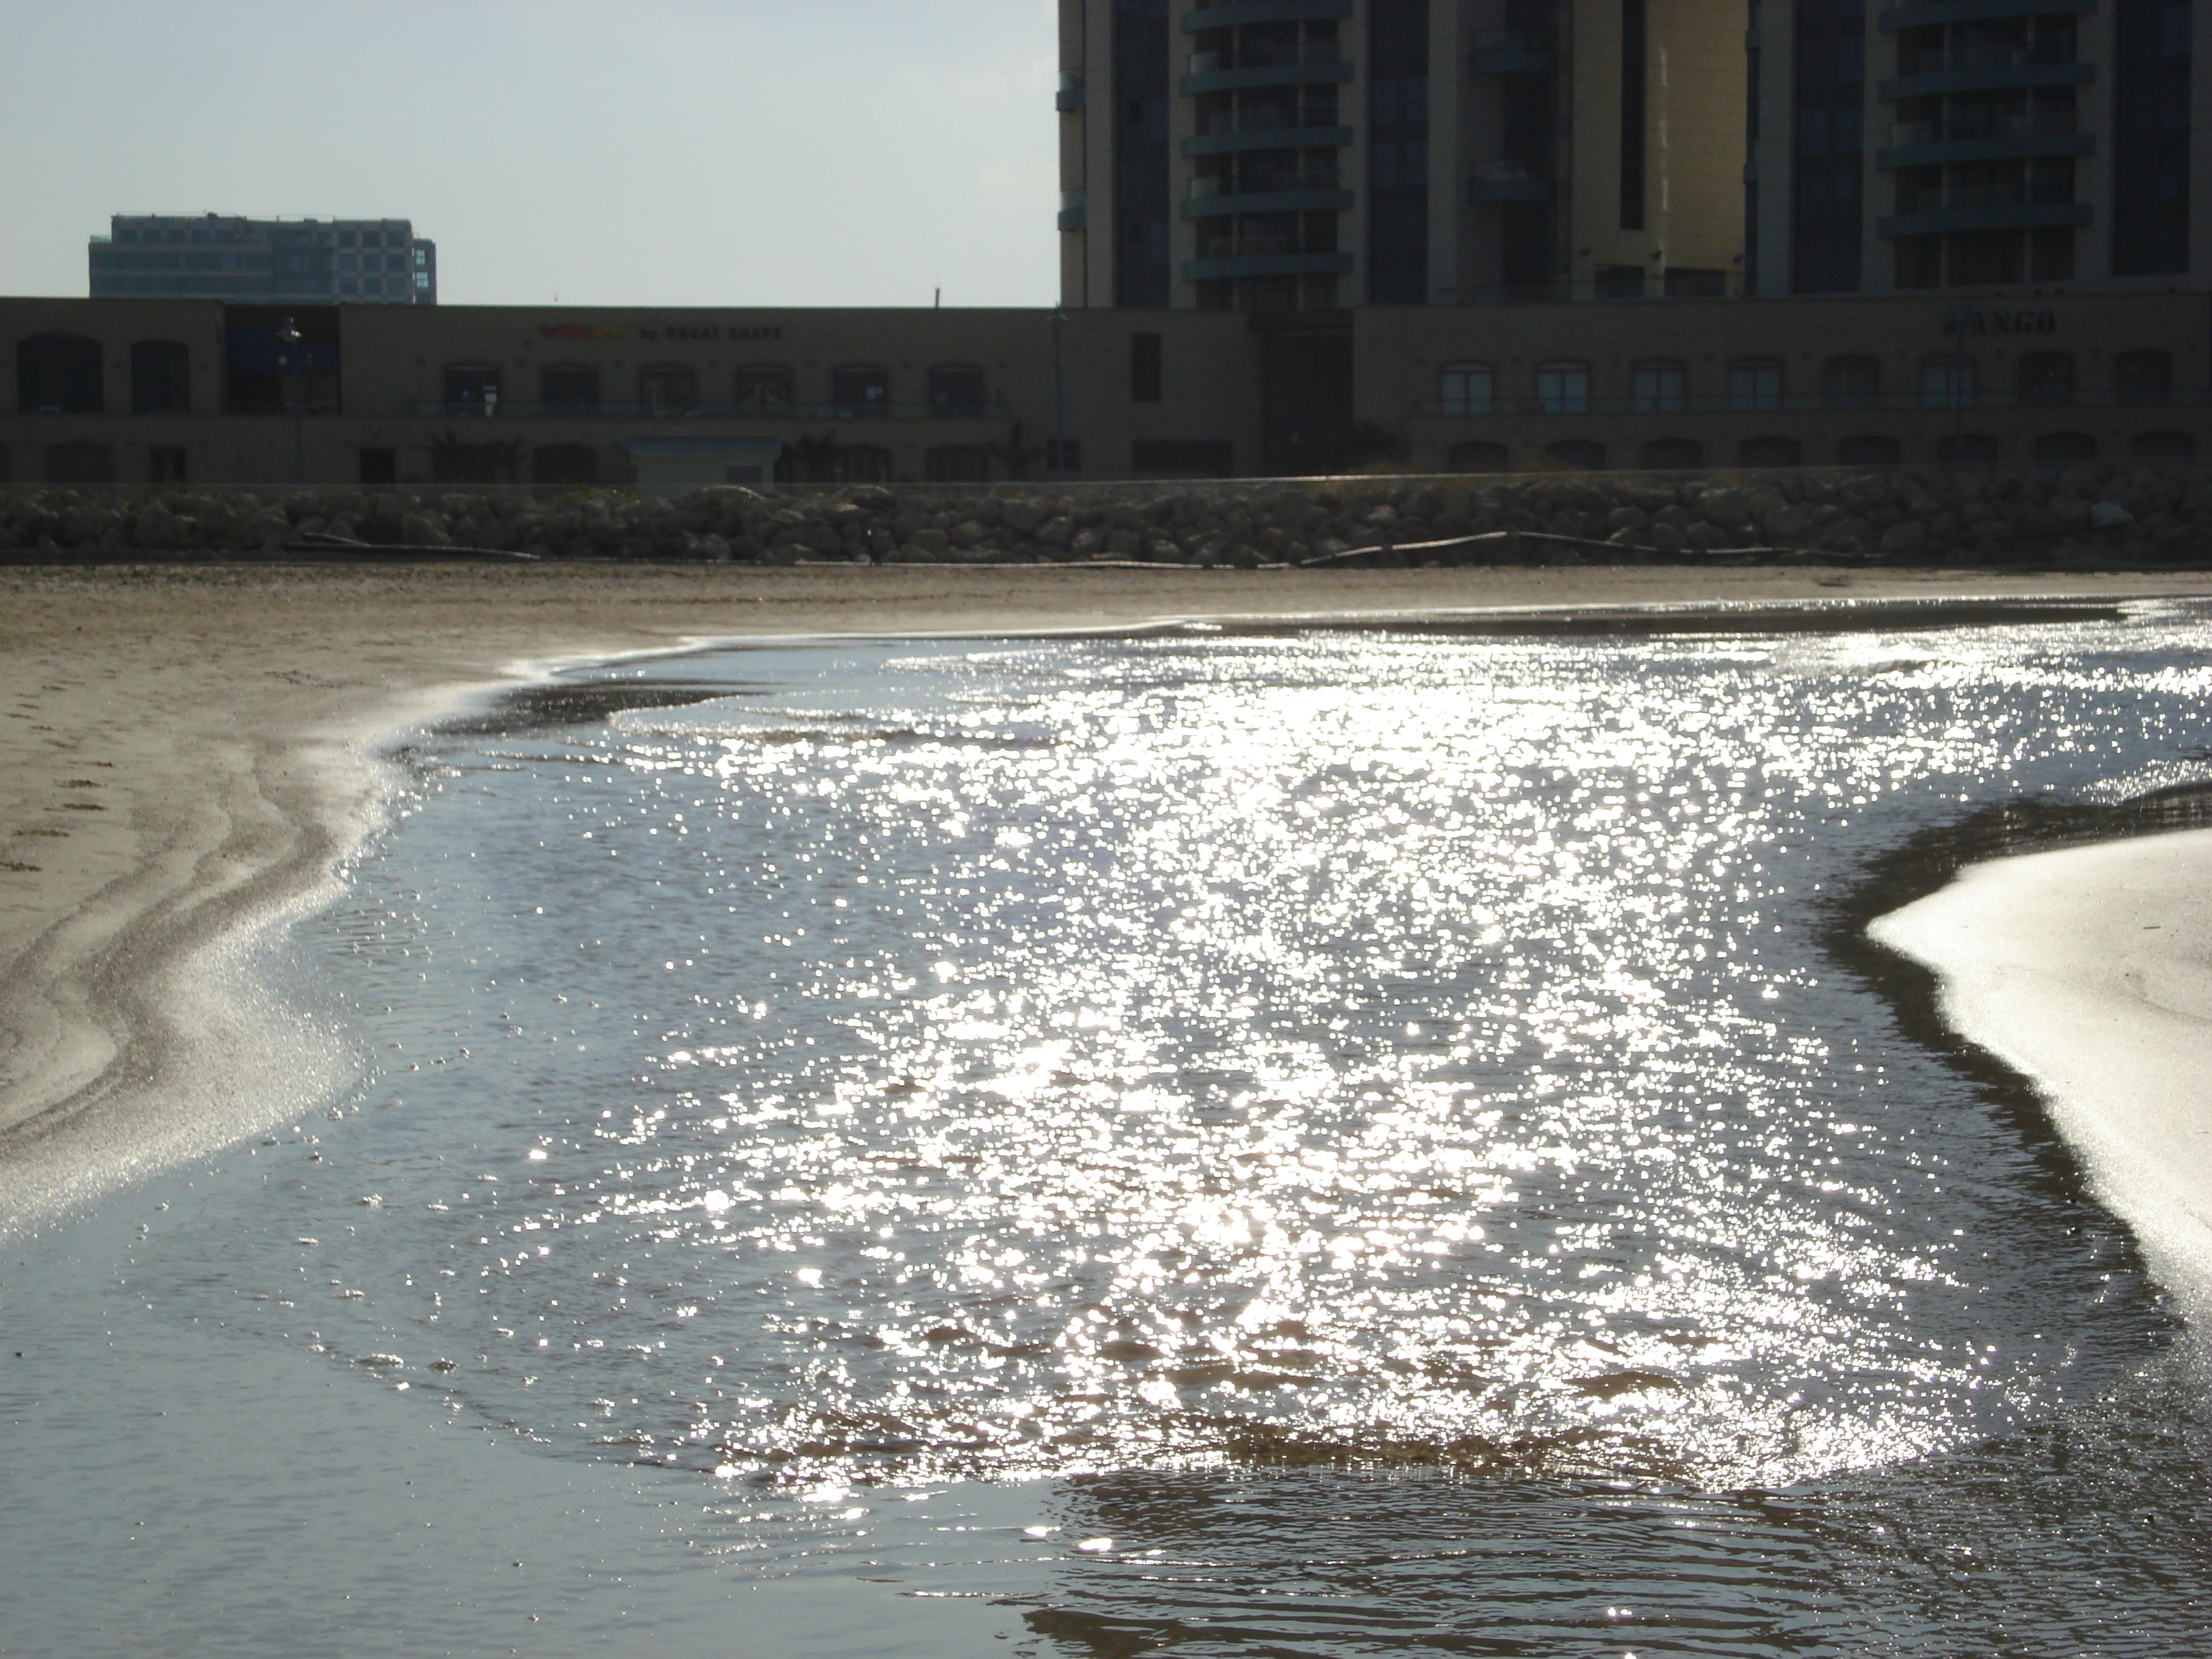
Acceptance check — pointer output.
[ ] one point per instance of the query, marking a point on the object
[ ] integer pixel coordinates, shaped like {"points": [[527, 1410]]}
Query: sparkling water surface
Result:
{"points": [[1373, 1126]]}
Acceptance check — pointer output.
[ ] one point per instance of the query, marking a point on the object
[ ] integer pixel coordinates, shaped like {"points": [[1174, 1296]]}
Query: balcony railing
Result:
{"points": [[1275, 184], [1956, 198], [2037, 124], [441, 409], [1941, 397], [1266, 57], [1976, 57]]}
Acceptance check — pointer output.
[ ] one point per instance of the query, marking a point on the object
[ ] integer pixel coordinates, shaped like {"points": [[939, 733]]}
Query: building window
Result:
{"points": [[1967, 449], [59, 374], [1851, 382], [7, 464], [1145, 369], [2064, 448], [80, 464], [1672, 455], [1398, 152], [1947, 383], [165, 464], [1619, 282], [2045, 378], [1142, 44], [2164, 447], [1827, 146], [1063, 455], [1214, 458], [380, 466], [1773, 452], [568, 388], [860, 464], [1465, 389], [667, 389], [1563, 389], [564, 463], [1755, 383], [1658, 388], [957, 464], [1869, 449], [161, 377], [2151, 53], [1480, 455], [860, 389], [1576, 455], [2142, 377], [764, 386], [471, 389], [956, 390]]}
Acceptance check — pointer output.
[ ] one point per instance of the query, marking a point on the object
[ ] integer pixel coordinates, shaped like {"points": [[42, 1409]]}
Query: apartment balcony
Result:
{"points": [[1073, 209], [1315, 193], [1311, 66], [1934, 213], [1265, 11], [1256, 264], [1508, 181], [1511, 51], [1936, 14], [1252, 132], [1983, 68], [2007, 138], [1070, 98]]}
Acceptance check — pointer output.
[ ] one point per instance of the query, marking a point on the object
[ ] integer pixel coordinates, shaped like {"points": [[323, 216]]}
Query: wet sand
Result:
{"points": [[2089, 970], [191, 748]]}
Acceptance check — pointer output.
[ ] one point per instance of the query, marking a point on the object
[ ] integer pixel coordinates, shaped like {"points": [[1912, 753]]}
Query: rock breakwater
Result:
{"points": [[2123, 514]]}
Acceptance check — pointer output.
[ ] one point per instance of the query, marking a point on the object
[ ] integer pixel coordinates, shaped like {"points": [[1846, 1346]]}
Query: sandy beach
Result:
{"points": [[189, 747]]}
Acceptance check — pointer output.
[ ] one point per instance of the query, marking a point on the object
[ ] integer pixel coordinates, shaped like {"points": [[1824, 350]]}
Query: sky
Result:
{"points": [[651, 152]]}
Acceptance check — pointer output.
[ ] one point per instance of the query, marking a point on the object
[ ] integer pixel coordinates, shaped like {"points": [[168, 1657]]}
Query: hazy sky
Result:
{"points": [[652, 152]]}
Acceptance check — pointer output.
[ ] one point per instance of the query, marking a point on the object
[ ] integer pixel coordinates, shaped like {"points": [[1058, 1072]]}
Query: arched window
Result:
{"points": [[1967, 449], [1755, 383], [60, 375], [764, 386], [956, 390], [860, 389], [471, 389], [2164, 447], [1869, 449], [1659, 388], [1577, 454], [2064, 448], [2045, 378], [80, 464], [1465, 389], [2142, 377], [1773, 452], [1481, 456], [860, 464], [1947, 382], [564, 463], [1673, 455], [958, 464], [568, 388], [1563, 388], [1851, 382], [161, 377], [667, 389]]}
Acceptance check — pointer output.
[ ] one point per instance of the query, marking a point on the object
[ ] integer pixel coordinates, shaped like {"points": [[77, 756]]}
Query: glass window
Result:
{"points": [[59, 374], [764, 386], [1659, 388], [1947, 383], [667, 389], [1851, 382], [471, 389], [860, 389], [1563, 388], [955, 389], [1465, 389], [2045, 378], [161, 377], [1755, 383], [568, 388], [958, 464], [2142, 377]]}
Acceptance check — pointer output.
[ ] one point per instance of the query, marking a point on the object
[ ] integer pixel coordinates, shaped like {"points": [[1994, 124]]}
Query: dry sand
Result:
{"points": [[188, 747]]}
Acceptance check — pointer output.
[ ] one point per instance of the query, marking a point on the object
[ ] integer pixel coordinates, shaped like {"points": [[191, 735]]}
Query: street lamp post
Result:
{"points": [[289, 334]]}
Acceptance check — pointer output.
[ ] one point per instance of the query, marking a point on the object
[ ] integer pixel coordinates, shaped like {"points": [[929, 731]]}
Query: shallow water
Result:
{"points": [[1375, 1125]]}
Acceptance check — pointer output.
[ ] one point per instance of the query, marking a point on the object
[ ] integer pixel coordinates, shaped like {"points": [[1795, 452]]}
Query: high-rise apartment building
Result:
{"points": [[264, 261], [1296, 155], [1978, 145]]}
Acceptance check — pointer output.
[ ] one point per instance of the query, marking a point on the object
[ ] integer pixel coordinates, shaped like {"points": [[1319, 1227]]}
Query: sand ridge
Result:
{"points": [[187, 746]]}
